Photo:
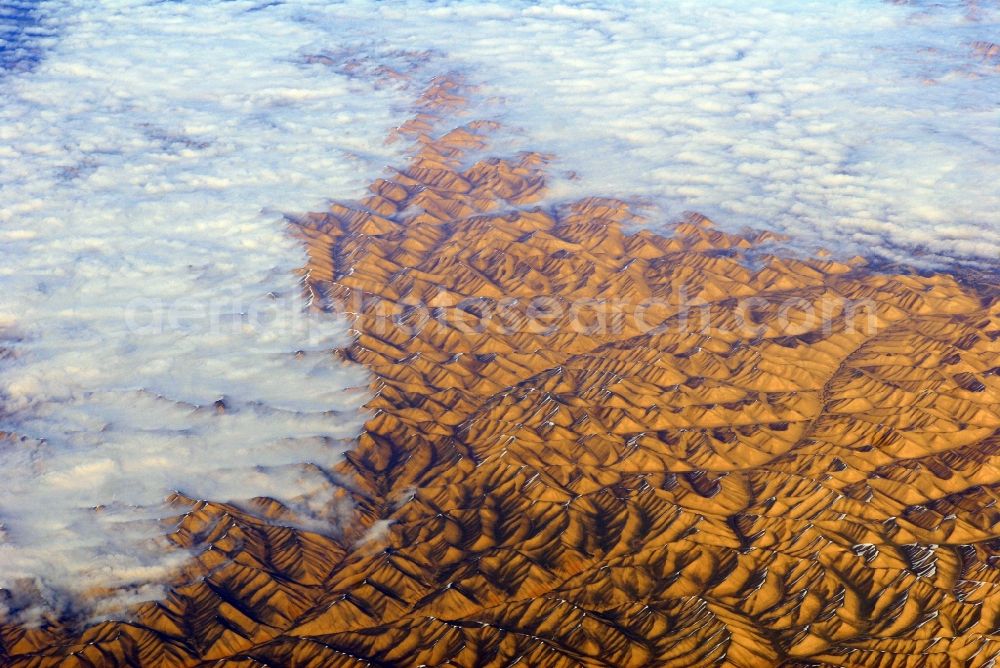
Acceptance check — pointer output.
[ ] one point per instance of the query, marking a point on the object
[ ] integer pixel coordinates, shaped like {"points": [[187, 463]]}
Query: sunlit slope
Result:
{"points": [[689, 453]]}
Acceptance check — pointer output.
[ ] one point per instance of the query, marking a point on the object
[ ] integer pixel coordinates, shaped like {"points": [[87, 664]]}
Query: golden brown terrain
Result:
{"points": [[697, 453]]}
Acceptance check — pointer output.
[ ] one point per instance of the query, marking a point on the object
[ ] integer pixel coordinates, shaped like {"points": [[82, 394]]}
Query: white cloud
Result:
{"points": [[864, 126], [142, 283]]}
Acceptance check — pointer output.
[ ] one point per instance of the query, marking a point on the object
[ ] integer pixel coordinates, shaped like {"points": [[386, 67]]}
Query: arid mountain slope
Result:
{"points": [[597, 447]]}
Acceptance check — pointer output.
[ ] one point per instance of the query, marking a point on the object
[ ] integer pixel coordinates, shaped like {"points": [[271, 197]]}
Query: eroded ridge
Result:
{"points": [[597, 447]]}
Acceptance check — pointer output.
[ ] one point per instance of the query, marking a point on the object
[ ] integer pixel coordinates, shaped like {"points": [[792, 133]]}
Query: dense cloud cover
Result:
{"points": [[147, 153], [865, 126], [147, 274]]}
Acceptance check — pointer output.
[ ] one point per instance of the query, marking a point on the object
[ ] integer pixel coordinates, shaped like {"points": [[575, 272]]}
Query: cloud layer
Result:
{"points": [[154, 333], [864, 126]]}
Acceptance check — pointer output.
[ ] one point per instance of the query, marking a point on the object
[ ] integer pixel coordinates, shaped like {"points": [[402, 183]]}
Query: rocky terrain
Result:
{"points": [[598, 443]]}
